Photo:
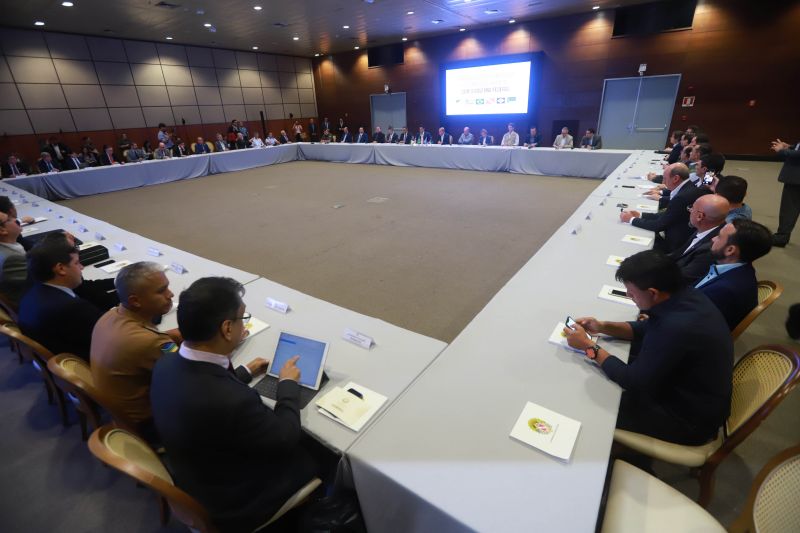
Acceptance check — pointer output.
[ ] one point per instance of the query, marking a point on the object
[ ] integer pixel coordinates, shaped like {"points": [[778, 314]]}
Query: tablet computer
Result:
{"points": [[312, 354]]}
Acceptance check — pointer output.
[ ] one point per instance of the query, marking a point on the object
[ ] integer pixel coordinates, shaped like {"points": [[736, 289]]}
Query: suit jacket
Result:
{"points": [[22, 168], [675, 154], [202, 148], [379, 137], [734, 292], [404, 138], [177, 151], [221, 146], [488, 140], [424, 138], [58, 321], [674, 220], [13, 273], [594, 142], [695, 263], [446, 138], [532, 140], [69, 164], [283, 139], [136, 154], [43, 166], [361, 138], [790, 172], [346, 138], [50, 149], [392, 137], [684, 364], [105, 161], [240, 459]]}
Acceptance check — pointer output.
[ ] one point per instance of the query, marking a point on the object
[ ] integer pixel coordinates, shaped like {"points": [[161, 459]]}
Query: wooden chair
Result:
{"points": [[8, 315], [761, 380], [193, 146], [641, 503], [125, 155], [74, 378], [768, 292], [131, 455], [772, 504], [38, 355], [211, 146]]}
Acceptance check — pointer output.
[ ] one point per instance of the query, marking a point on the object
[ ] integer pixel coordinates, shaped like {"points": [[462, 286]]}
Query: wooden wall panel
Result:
{"points": [[736, 51]]}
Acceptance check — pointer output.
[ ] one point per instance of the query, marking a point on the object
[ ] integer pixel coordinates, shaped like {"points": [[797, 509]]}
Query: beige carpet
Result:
{"points": [[427, 253]]}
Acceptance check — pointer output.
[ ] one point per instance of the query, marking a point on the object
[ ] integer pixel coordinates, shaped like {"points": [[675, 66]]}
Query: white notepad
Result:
{"points": [[255, 326], [546, 430], [606, 294], [614, 260], [115, 267], [641, 241], [35, 221], [349, 410], [559, 339], [647, 185], [647, 207]]}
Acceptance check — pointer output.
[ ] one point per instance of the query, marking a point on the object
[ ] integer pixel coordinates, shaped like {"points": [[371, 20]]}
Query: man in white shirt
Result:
{"points": [[511, 138], [563, 140], [466, 137], [161, 152], [270, 140], [256, 141]]}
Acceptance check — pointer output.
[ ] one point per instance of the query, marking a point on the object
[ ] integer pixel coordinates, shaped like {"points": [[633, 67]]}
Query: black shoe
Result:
{"points": [[780, 240]]}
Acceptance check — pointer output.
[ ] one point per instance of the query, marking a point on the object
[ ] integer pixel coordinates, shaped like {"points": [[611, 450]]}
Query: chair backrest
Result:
{"points": [[75, 371], [31, 348], [131, 455], [125, 154], [772, 503], [768, 292], [210, 146], [8, 307], [194, 148], [761, 380]]}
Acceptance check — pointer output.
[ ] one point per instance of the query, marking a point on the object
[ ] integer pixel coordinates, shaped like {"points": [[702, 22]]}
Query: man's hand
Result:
{"points": [[651, 175], [290, 370], [257, 366], [577, 338], [27, 220], [590, 324], [626, 216], [778, 145]]}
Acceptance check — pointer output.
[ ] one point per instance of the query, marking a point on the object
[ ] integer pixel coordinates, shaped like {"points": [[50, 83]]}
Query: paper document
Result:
{"points": [[115, 267], [647, 207], [560, 339], [615, 294], [614, 260], [255, 326], [546, 430], [641, 241], [348, 409], [35, 221]]}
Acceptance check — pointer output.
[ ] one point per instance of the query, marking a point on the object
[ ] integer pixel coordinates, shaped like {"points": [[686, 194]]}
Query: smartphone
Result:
{"points": [[628, 186], [570, 322], [622, 206], [621, 294], [103, 263]]}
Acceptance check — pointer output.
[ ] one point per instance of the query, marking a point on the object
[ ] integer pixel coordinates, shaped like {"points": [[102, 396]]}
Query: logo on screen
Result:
{"points": [[512, 99], [479, 101], [501, 100]]}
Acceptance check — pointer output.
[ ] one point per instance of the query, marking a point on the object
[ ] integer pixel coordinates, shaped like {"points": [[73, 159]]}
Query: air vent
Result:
{"points": [[167, 5]]}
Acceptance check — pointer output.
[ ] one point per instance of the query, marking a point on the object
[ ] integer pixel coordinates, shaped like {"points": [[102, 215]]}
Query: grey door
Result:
{"points": [[636, 112], [388, 110]]}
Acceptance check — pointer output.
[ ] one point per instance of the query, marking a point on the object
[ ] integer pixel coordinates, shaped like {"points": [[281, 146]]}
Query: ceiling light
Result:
{"points": [[346, 27], [295, 38], [257, 8], [38, 23], [405, 38], [596, 8], [512, 21], [356, 47], [255, 48], [492, 11], [316, 55], [207, 24], [462, 29], [409, 12], [67, 4], [168, 38], [436, 21]]}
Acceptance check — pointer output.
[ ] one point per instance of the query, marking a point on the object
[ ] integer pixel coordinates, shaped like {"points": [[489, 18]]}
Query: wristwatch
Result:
{"points": [[591, 351]]}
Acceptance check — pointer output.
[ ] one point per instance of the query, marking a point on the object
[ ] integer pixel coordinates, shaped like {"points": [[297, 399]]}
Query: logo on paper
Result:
{"points": [[540, 426]]}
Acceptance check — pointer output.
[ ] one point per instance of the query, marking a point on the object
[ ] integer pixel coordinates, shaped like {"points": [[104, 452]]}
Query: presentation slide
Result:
{"points": [[500, 89]]}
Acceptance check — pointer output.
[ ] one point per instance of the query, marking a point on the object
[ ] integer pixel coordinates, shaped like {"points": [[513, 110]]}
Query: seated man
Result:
{"points": [[14, 168], [126, 343], [13, 268], [362, 137], [46, 164], [180, 149], [675, 151], [136, 154], [256, 142], [391, 136], [677, 384], [442, 137], [405, 137], [162, 152], [240, 459], [466, 136], [107, 157], [534, 138], [485, 139], [731, 282], [423, 137], [563, 139], [346, 137], [379, 136], [591, 140], [220, 144], [511, 138], [325, 139], [283, 138], [200, 147], [674, 220], [707, 216], [707, 167], [50, 312], [734, 189]]}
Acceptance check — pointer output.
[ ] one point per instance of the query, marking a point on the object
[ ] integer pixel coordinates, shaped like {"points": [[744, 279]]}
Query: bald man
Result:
{"points": [[707, 216]]}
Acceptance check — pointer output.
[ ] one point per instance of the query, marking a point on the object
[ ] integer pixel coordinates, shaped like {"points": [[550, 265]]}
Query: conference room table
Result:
{"points": [[537, 161], [441, 458]]}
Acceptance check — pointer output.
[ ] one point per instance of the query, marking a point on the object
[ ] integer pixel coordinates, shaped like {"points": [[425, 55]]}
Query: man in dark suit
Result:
{"points": [[313, 130], [107, 157], [58, 151], [790, 198], [534, 138], [326, 124], [423, 137], [677, 147], [678, 379], [283, 138], [362, 137], [13, 269], [180, 149], [707, 216], [731, 282], [73, 162], [443, 137], [345, 136], [240, 459], [200, 147], [378, 137], [485, 139], [674, 220], [14, 167], [591, 140], [391, 136], [220, 144], [404, 137], [50, 312], [46, 164]]}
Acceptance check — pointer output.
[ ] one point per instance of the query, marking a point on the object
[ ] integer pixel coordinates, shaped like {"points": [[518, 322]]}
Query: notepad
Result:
{"points": [[547, 431], [560, 339], [35, 221], [348, 409], [614, 260], [606, 293], [115, 267], [255, 326], [641, 241], [647, 207]]}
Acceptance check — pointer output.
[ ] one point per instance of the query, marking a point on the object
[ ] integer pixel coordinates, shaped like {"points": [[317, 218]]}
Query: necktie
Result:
{"points": [[76, 163], [14, 170], [49, 167]]}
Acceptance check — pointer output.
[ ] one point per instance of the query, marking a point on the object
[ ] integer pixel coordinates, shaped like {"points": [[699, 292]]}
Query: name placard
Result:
{"points": [[118, 246], [359, 339], [277, 305], [155, 252], [178, 268], [99, 236]]}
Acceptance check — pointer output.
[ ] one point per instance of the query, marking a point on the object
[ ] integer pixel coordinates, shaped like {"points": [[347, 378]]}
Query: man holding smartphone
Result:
{"points": [[678, 379]]}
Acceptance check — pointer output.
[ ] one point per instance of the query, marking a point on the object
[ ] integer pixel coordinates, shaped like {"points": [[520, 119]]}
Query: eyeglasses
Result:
{"points": [[691, 208], [245, 318]]}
